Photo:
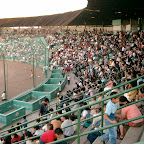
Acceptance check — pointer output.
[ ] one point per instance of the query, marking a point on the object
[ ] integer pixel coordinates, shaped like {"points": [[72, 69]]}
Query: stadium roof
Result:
{"points": [[97, 12]]}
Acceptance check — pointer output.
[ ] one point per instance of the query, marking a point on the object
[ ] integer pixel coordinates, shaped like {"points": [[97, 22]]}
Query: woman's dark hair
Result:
{"points": [[123, 99]]}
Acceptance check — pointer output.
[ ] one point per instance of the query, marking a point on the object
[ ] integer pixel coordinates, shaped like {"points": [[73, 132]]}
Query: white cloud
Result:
{"points": [[17, 8]]}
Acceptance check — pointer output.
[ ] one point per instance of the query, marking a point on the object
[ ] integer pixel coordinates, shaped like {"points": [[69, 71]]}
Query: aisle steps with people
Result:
{"points": [[83, 139]]}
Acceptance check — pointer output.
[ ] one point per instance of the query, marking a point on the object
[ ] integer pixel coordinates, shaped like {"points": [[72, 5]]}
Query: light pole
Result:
{"points": [[1, 47]]}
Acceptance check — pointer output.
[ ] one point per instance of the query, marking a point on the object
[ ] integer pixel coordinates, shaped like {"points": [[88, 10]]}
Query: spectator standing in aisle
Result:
{"points": [[44, 107], [68, 79]]}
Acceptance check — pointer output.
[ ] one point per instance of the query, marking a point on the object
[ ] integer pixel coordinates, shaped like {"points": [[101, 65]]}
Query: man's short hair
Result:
{"points": [[51, 109], [72, 117], [66, 117], [50, 126], [36, 127], [46, 100], [113, 93], [58, 131]]}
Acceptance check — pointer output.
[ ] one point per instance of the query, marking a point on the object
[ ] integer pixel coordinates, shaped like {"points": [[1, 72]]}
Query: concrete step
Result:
{"points": [[133, 135], [98, 141], [142, 137], [83, 139]]}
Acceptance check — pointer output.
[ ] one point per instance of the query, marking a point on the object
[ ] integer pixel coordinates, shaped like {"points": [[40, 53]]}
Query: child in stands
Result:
{"points": [[109, 116]]}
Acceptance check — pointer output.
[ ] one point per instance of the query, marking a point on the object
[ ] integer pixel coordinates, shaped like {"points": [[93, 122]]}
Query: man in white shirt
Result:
{"points": [[37, 131], [69, 131]]}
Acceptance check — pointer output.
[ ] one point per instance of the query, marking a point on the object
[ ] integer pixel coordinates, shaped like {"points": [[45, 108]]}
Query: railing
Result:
{"points": [[55, 104], [81, 108]]}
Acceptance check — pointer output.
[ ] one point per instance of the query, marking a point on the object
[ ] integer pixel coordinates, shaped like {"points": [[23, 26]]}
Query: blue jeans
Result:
{"points": [[41, 142], [111, 134]]}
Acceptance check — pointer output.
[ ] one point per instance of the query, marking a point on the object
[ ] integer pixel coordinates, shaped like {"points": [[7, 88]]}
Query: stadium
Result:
{"points": [[72, 72]]}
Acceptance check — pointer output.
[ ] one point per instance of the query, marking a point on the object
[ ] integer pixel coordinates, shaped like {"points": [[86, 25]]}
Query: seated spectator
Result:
{"points": [[24, 121], [140, 95], [51, 115], [85, 114], [56, 123], [72, 118], [96, 124], [76, 106], [92, 107], [37, 131], [59, 134], [97, 112], [49, 127], [28, 135], [129, 112], [66, 109], [66, 122], [18, 128], [44, 128], [15, 137], [132, 94], [47, 137]]}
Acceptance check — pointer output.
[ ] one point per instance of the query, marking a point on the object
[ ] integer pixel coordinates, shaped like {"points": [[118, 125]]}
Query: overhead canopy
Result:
{"points": [[51, 20], [98, 12]]}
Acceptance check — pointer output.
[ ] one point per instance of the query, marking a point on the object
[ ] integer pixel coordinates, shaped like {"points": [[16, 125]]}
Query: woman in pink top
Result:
{"points": [[128, 113]]}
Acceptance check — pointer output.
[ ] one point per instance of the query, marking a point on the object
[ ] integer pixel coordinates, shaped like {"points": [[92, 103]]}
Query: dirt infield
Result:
{"points": [[18, 77]]}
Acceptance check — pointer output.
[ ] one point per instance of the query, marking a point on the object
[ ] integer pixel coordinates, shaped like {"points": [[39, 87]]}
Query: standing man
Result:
{"points": [[68, 79], [63, 73], [44, 107], [3, 96], [31, 74]]}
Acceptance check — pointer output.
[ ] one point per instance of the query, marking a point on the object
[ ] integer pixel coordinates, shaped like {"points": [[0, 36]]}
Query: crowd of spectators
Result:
{"points": [[100, 61]]}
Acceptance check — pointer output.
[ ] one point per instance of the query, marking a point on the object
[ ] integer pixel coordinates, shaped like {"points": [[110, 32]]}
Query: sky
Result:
{"points": [[27, 8]]}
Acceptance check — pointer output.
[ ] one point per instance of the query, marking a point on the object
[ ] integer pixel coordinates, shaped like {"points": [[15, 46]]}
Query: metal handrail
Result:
{"points": [[104, 99], [99, 129], [78, 102]]}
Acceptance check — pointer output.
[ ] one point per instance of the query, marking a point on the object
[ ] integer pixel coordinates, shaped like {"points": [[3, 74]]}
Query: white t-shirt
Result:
{"points": [[44, 128], [69, 130], [39, 132], [84, 113], [68, 78]]}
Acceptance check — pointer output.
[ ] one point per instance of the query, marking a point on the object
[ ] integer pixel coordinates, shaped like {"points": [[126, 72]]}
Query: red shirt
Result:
{"points": [[17, 139], [48, 136]]}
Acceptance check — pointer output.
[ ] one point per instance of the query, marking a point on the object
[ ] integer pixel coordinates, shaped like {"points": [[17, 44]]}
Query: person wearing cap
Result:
{"points": [[128, 113]]}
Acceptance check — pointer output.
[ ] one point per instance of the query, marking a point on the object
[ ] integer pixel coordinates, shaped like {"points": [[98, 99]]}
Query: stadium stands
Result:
{"points": [[107, 67]]}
